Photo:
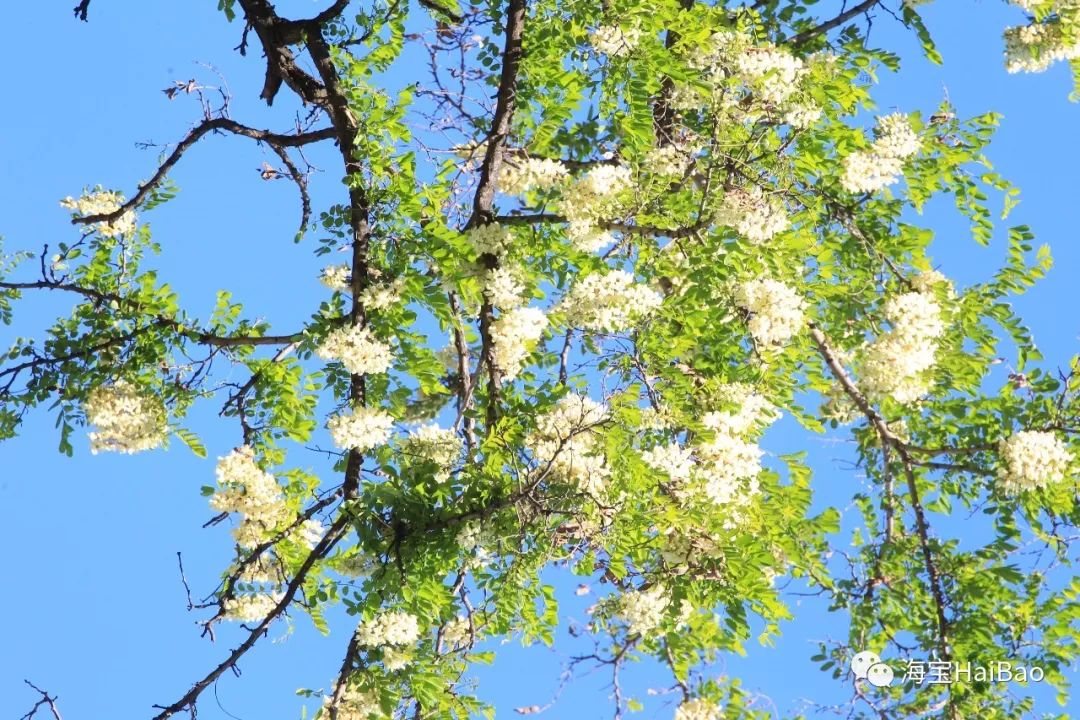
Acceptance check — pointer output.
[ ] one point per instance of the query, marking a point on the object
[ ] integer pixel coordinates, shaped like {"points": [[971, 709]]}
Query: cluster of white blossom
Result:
{"points": [[753, 215], [1033, 459], [357, 349], [1037, 46], [392, 627], [355, 704], [252, 607], [896, 363], [566, 443], [874, 169], [503, 289], [698, 709], [336, 277], [667, 160], [587, 237], [520, 175], [614, 41], [365, 428], [99, 202], [247, 489], [594, 195], [608, 302], [382, 296], [394, 659], [772, 73], [777, 312], [723, 468], [126, 419], [457, 633], [802, 115], [490, 239], [438, 445], [514, 334], [263, 569], [472, 539], [643, 610]]}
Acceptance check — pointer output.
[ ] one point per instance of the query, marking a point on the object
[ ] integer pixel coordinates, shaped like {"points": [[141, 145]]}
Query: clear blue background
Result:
{"points": [[90, 595]]}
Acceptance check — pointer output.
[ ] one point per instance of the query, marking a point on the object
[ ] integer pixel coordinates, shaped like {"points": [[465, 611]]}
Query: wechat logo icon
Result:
{"points": [[868, 666]]}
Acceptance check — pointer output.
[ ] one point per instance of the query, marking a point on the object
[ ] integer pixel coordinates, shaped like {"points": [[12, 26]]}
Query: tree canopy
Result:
{"points": [[583, 255]]}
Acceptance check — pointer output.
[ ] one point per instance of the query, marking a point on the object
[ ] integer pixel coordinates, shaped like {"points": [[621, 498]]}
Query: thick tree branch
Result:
{"points": [[206, 126], [836, 22]]}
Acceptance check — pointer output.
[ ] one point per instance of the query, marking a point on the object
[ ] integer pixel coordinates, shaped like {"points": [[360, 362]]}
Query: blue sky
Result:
{"points": [[93, 603]]}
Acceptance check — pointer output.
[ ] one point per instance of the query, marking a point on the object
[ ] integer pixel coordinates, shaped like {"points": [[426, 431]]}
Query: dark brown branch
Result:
{"points": [[206, 126], [837, 21], [46, 699], [320, 551], [81, 9]]}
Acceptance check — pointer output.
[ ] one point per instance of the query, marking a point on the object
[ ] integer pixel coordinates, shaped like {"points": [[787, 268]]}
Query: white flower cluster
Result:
{"points": [[99, 202], [667, 161], [251, 608], [896, 363], [753, 215], [724, 468], [698, 709], [393, 627], [567, 442], [1033, 459], [127, 419], [457, 633], [491, 239], [874, 169], [1035, 47], [592, 197], [364, 429], [772, 73], [643, 610], [608, 302], [336, 277], [502, 288], [355, 704], [514, 334], [438, 445], [777, 312], [614, 41], [586, 237], [382, 296], [357, 349], [247, 489], [520, 175]]}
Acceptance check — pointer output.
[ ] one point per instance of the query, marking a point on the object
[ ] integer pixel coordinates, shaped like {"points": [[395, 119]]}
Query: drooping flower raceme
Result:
{"points": [[437, 445], [126, 419], [365, 428], [336, 277], [1033, 459], [502, 288], [777, 312], [357, 349], [1037, 46], [772, 73], [874, 169], [518, 176], [613, 40], [393, 627], [514, 335], [608, 302], [491, 239], [253, 493], [756, 217], [643, 610], [896, 363], [698, 709], [253, 607], [566, 443], [99, 202]]}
